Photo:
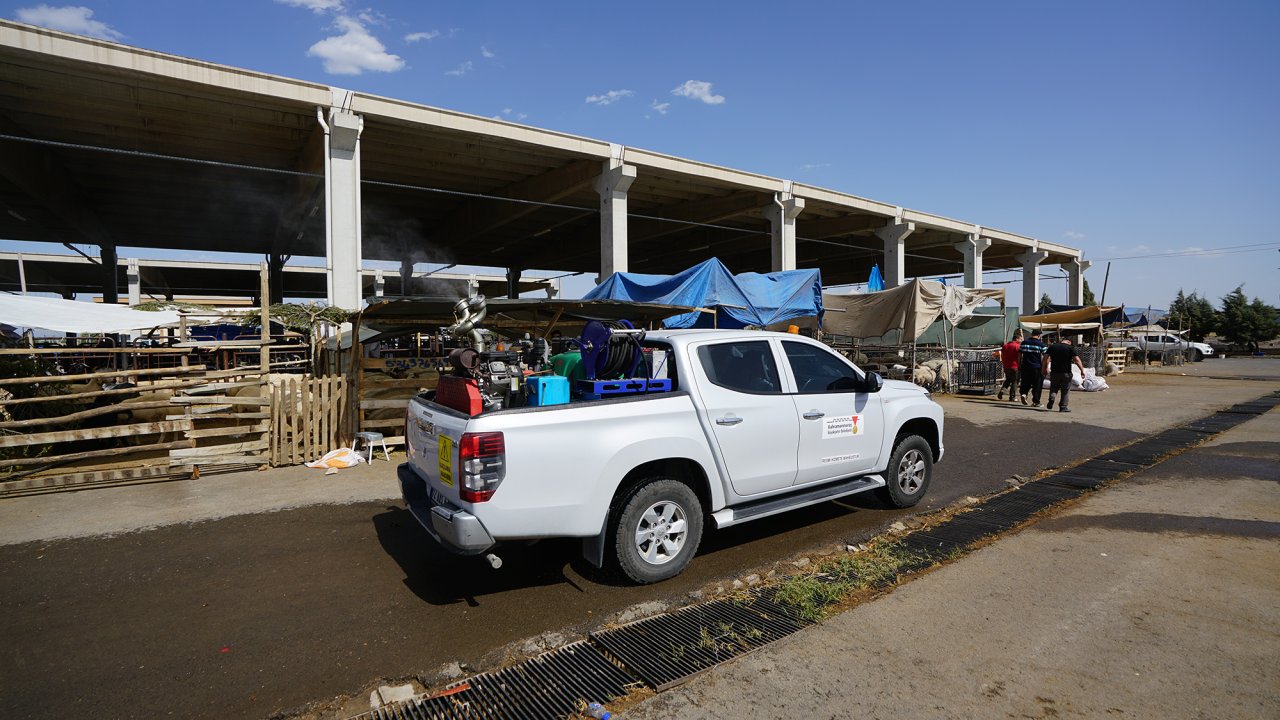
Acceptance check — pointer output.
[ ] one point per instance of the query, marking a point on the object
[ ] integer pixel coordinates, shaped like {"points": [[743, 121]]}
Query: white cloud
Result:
{"points": [[609, 98], [698, 90], [661, 108], [461, 70], [370, 16], [71, 18], [1073, 235], [315, 6], [506, 111], [814, 166], [354, 51], [419, 36], [486, 53]]}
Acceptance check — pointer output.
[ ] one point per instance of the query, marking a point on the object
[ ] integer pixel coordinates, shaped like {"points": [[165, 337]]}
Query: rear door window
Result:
{"points": [[746, 366]]}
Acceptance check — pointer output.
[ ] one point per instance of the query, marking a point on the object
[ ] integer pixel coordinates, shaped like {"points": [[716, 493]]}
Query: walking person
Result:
{"points": [[1031, 354], [1061, 355], [1008, 355]]}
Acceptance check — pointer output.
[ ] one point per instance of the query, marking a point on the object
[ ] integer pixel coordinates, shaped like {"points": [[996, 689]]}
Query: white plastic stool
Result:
{"points": [[370, 439]]}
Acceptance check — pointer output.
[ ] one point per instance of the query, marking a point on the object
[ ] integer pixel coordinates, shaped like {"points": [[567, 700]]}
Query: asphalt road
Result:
{"points": [[258, 614]]}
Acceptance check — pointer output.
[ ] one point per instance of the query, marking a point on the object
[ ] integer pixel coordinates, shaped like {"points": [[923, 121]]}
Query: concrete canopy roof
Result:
{"points": [[423, 169], [48, 273]]}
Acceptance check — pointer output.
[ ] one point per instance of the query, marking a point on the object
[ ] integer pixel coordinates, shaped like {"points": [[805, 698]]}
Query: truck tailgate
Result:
{"points": [[431, 437]]}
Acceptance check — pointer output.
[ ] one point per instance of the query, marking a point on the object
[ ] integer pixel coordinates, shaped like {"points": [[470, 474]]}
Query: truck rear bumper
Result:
{"points": [[454, 529]]}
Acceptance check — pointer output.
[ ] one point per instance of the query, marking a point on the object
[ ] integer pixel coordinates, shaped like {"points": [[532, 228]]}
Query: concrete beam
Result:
{"points": [[782, 216], [37, 172], [894, 235], [1075, 280], [343, 255], [708, 210], [1031, 260], [823, 228], [613, 184], [972, 249], [473, 218]]}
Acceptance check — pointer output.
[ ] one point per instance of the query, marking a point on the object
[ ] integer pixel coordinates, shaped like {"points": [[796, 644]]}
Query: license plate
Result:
{"points": [[446, 460]]}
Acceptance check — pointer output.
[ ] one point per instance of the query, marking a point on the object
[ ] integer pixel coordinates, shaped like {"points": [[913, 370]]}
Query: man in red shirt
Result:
{"points": [[1008, 354]]}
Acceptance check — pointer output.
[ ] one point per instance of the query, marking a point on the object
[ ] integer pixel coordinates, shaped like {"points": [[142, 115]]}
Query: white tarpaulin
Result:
{"points": [[73, 316], [911, 308]]}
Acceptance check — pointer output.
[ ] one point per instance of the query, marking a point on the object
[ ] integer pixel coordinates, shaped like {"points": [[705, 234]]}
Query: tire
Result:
{"points": [[909, 473], [1199, 357], [656, 507]]}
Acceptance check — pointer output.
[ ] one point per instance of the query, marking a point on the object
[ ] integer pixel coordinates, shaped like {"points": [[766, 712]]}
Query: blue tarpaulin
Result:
{"points": [[739, 300], [876, 282]]}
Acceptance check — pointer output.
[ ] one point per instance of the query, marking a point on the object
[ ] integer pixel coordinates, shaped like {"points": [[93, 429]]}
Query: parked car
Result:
{"points": [[1166, 343], [757, 423]]}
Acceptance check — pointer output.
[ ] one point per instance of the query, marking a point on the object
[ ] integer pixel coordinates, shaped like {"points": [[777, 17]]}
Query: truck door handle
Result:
{"points": [[728, 420], [813, 415]]}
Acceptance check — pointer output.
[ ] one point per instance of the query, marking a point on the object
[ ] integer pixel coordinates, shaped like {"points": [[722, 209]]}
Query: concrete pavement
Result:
{"points": [[1156, 598]]}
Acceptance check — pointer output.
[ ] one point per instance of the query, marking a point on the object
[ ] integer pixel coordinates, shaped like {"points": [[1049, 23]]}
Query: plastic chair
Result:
{"points": [[370, 439]]}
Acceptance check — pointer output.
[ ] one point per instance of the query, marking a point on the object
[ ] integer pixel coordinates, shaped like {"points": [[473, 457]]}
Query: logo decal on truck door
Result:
{"points": [[446, 460], [841, 426]]}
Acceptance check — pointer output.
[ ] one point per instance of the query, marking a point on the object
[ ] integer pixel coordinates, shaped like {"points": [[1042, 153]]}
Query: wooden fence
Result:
{"points": [[163, 423], [308, 418]]}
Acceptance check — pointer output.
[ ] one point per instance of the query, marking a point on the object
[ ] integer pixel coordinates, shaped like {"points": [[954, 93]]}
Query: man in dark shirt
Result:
{"points": [[1061, 355], [1031, 352]]}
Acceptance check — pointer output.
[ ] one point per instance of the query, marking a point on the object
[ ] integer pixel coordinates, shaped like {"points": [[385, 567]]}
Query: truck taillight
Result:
{"points": [[483, 457]]}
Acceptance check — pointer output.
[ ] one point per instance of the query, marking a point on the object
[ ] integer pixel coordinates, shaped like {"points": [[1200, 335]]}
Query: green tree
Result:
{"points": [[1088, 298], [1193, 313], [1247, 323], [1045, 301]]}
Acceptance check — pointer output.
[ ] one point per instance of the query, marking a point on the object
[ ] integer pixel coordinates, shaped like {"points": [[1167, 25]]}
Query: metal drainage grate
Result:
{"points": [[1217, 422], [667, 650], [551, 686], [942, 540], [1255, 407]]}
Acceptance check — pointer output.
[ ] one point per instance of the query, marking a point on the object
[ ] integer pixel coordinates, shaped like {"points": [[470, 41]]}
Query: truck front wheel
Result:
{"points": [[657, 530], [910, 469]]}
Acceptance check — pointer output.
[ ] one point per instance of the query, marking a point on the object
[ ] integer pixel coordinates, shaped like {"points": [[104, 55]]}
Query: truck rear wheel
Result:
{"points": [[910, 469], [657, 530]]}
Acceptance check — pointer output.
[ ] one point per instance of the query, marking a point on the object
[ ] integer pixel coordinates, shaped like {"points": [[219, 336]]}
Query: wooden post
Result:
{"points": [[264, 356]]}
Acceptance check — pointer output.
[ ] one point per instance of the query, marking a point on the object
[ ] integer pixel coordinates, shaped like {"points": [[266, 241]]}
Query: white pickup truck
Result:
{"points": [[757, 423], [1162, 343]]}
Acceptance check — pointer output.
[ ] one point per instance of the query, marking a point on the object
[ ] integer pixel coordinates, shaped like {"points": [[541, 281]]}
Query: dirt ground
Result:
{"points": [[246, 596]]}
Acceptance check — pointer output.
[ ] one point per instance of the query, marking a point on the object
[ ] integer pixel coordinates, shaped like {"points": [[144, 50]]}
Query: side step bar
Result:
{"points": [[779, 504]]}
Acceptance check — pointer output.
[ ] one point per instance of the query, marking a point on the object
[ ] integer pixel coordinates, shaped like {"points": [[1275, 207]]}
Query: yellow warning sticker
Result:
{"points": [[446, 460]]}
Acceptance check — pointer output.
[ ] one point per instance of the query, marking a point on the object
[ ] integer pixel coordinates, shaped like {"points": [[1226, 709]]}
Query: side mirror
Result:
{"points": [[872, 383]]}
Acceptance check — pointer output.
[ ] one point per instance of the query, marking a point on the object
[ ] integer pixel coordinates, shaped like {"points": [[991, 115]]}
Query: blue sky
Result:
{"points": [[1127, 129]]}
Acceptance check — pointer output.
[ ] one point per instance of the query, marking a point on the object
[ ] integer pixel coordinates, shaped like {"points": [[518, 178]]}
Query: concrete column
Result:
{"points": [[1075, 280], [275, 277], [406, 278], [612, 185], [379, 284], [782, 214], [894, 234], [553, 289], [342, 207], [135, 282], [972, 248], [473, 286], [513, 283], [1031, 260], [110, 290]]}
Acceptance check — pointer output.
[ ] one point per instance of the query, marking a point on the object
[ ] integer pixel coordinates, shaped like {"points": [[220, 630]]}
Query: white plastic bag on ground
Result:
{"points": [[340, 458]]}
